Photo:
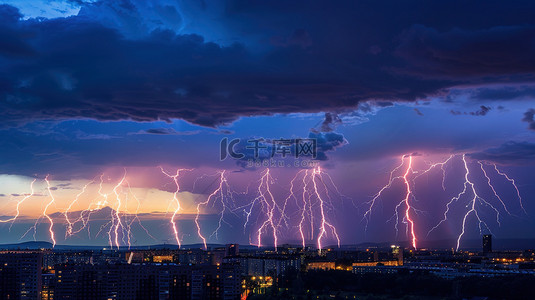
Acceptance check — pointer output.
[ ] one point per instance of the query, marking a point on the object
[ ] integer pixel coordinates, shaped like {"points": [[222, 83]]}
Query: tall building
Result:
{"points": [[232, 250], [20, 274], [397, 253], [48, 286], [265, 266], [8, 282], [487, 243]]}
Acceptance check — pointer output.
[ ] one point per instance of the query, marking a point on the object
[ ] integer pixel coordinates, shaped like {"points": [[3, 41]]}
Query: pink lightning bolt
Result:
{"points": [[176, 201], [217, 195], [323, 221], [118, 223], [52, 200], [115, 223], [303, 208], [407, 203], [306, 210], [267, 201], [313, 203]]}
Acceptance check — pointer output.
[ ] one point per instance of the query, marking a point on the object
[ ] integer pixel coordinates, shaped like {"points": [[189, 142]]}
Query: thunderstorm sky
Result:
{"points": [[93, 90]]}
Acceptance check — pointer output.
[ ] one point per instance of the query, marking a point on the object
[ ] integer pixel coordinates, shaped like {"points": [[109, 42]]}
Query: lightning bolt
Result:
{"points": [[306, 210], [405, 202], [371, 203], [442, 167], [268, 205], [104, 202], [454, 199], [19, 203], [317, 173], [512, 181], [218, 195], [492, 187], [85, 215], [118, 223], [52, 200], [175, 201], [311, 189], [313, 202], [136, 216], [45, 215], [69, 229], [469, 188], [472, 204], [303, 208]]}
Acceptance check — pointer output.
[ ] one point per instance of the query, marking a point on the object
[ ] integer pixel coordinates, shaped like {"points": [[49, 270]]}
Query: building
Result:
{"points": [[357, 269], [487, 243], [397, 253], [321, 265], [147, 281], [8, 281], [217, 255], [377, 263], [265, 266], [20, 275], [48, 286], [232, 250]]}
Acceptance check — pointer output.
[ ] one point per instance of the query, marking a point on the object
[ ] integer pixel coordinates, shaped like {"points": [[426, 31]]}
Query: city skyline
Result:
{"points": [[117, 119]]}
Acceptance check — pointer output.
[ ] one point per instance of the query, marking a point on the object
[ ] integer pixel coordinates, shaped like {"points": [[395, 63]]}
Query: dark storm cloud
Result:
{"points": [[504, 93], [94, 66], [329, 123], [458, 53], [508, 153], [167, 131], [328, 141], [529, 118], [482, 111]]}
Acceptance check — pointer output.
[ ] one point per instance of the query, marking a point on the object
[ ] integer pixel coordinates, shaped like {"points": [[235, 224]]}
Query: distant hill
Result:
{"points": [[27, 246], [47, 245], [469, 244]]}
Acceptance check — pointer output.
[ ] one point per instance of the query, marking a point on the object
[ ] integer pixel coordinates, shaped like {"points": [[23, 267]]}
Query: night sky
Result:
{"points": [[91, 90]]}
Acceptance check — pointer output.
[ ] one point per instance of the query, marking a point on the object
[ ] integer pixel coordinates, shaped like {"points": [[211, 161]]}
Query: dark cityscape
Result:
{"points": [[290, 272], [267, 149]]}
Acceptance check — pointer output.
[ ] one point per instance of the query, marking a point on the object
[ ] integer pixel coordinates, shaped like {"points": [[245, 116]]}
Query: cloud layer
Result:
{"points": [[333, 57]]}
